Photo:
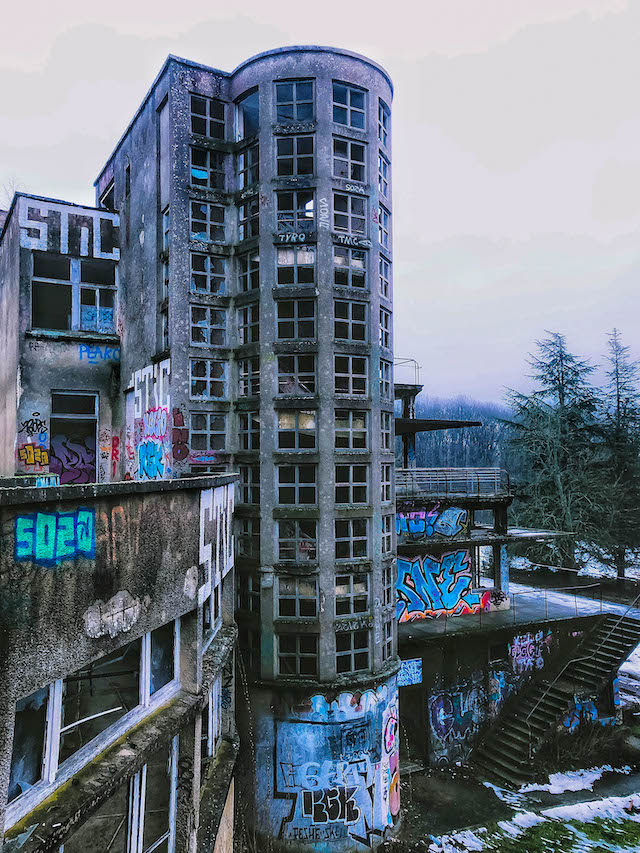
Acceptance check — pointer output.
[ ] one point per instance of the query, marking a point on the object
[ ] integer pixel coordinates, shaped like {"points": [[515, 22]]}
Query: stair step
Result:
{"points": [[513, 780]]}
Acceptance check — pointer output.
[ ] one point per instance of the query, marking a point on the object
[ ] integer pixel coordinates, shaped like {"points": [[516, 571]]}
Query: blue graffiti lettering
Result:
{"points": [[97, 353], [48, 538], [428, 587], [150, 460]]}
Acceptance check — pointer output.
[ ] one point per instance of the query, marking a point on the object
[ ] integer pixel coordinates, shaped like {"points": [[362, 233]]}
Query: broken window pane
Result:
{"points": [[51, 266], [157, 802], [162, 657], [51, 305], [73, 404], [98, 271], [28, 742], [97, 695], [106, 829]]}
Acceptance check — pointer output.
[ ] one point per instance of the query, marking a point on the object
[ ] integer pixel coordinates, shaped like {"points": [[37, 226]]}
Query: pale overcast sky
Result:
{"points": [[516, 133]]}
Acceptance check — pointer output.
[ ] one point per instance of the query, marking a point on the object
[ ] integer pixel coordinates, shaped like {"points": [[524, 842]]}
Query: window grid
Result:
{"points": [[298, 540], [249, 377], [298, 654], [297, 485], [207, 117], [385, 328], [349, 267], [388, 584], [384, 118], [385, 277], [249, 537], [351, 538], [352, 651], [350, 320], [387, 640], [249, 423], [207, 222], [249, 484], [297, 374], [296, 430], [207, 169], [352, 484], [249, 323], [349, 160], [385, 482], [208, 379], [166, 228], [386, 369], [387, 534], [249, 643], [384, 227], [249, 592], [296, 319], [296, 265], [208, 274], [208, 431], [350, 374], [386, 427], [349, 105], [384, 168], [295, 211], [208, 326], [350, 430], [249, 272], [248, 167], [298, 598], [349, 213], [352, 594], [294, 100], [249, 219], [294, 156]]}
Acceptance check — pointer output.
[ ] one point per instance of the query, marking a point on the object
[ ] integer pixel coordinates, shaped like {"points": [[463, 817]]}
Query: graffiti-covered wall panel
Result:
{"points": [[328, 770], [431, 523]]}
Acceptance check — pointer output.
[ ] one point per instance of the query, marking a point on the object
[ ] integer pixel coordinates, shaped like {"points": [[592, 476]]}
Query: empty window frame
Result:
{"points": [[385, 328], [298, 541], [387, 640], [249, 323], [207, 169], [294, 100], [350, 374], [349, 159], [385, 482], [349, 267], [249, 430], [388, 584], [248, 539], [351, 484], [295, 211], [350, 320], [387, 534], [297, 485], [249, 219], [384, 227], [108, 197], [352, 594], [349, 213], [298, 654], [166, 228], [296, 265], [208, 379], [207, 117], [29, 742], [294, 156], [384, 169], [351, 430], [249, 272], [208, 326], [297, 597], [68, 294], [384, 123], [164, 329], [249, 592], [208, 431], [296, 319], [249, 643], [207, 222], [296, 430], [385, 277], [208, 274], [247, 115], [249, 484], [349, 105], [297, 374], [352, 651], [165, 279], [249, 167], [212, 719], [386, 431], [386, 376], [351, 538], [249, 377]]}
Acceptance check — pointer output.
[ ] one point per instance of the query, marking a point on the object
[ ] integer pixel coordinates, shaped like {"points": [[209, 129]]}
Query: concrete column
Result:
{"points": [[500, 568]]}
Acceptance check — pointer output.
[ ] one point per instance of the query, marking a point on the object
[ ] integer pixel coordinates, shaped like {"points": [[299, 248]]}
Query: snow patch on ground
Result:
{"points": [[615, 808], [574, 780], [509, 797], [456, 842], [519, 822]]}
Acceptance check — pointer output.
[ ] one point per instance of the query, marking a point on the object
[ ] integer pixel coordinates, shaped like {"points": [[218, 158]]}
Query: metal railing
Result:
{"points": [[452, 481]]}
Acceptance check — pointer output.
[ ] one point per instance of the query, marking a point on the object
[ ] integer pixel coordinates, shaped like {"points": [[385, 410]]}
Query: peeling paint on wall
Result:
{"points": [[116, 616]]}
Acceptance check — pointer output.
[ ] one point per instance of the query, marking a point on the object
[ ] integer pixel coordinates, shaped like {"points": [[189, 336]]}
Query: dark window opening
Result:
{"points": [[28, 742], [51, 266], [50, 306], [98, 271]]}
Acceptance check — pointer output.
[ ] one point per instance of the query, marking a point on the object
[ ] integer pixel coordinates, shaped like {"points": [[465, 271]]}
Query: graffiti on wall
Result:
{"points": [[179, 437], [455, 717], [527, 652], [436, 522], [34, 426], [337, 766], [410, 672], [73, 458], [216, 539], [148, 430], [48, 538], [33, 455], [69, 230], [434, 586], [94, 354]]}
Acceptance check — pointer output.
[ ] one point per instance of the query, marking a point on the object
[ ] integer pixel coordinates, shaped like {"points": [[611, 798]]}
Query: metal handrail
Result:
{"points": [[576, 660], [471, 481]]}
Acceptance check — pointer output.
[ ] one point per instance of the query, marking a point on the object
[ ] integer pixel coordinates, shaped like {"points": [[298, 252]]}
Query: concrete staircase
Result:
{"points": [[504, 755]]}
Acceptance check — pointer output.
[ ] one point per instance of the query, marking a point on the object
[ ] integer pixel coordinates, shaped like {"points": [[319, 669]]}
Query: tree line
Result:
{"points": [[571, 447]]}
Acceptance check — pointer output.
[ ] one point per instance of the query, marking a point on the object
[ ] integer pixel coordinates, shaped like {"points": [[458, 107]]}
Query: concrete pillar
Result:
{"points": [[500, 568]]}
